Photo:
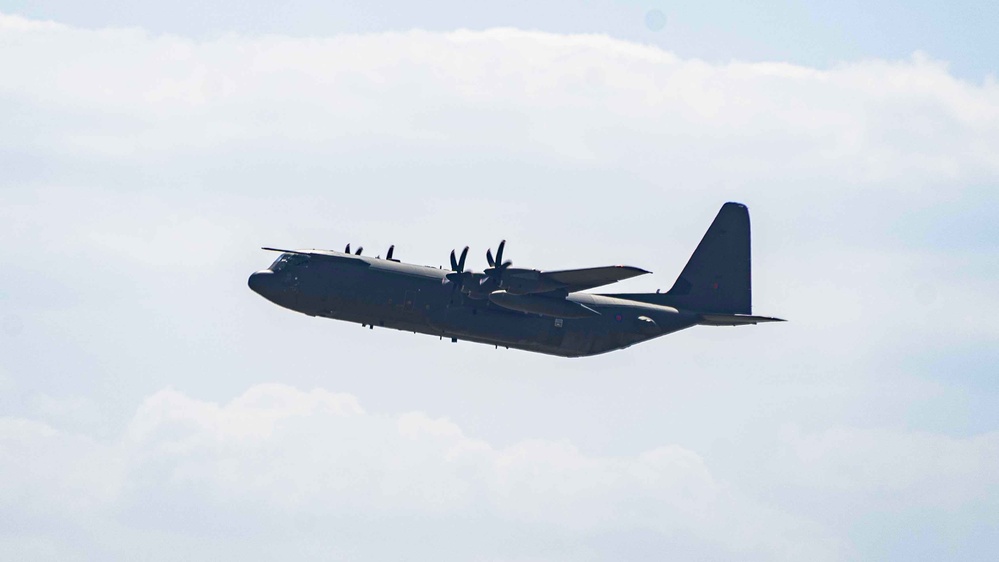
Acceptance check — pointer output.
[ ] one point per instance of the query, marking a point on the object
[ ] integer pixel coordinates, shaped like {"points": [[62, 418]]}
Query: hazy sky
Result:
{"points": [[152, 406]]}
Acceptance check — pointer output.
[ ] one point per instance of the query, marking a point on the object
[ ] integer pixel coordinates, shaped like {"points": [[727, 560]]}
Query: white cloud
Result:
{"points": [[141, 170], [875, 121], [276, 455], [895, 468]]}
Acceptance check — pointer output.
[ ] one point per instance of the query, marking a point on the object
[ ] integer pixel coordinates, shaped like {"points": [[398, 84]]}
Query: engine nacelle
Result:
{"points": [[545, 306]]}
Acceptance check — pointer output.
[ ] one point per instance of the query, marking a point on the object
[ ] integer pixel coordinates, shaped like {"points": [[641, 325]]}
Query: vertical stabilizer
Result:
{"points": [[717, 276]]}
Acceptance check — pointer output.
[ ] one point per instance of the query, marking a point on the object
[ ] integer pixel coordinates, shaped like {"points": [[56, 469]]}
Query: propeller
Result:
{"points": [[359, 250], [457, 275], [457, 265], [346, 250], [388, 256], [496, 266]]}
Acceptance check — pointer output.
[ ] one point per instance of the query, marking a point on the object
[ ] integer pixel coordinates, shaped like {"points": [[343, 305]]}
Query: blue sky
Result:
{"points": [[147, 397]]}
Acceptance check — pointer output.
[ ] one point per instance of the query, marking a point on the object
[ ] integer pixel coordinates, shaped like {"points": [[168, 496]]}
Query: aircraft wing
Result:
{"points": [[590, 277]]}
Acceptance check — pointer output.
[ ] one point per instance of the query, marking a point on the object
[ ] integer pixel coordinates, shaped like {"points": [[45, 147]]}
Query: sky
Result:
{"points": [[152, 406]]}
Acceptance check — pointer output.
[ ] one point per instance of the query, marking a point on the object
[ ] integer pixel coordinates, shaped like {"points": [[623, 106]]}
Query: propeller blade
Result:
{"points": [[359, 249], [499, 251], [454, 262], [461, 261], [506, 264], [489, 257], [347, 249], [388, 256]]}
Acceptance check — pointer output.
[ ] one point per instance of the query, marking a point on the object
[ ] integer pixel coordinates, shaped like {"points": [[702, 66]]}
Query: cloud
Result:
{"points": [[276, 455], [911, 469], [865, 122], [141, 171], [196, 138]]}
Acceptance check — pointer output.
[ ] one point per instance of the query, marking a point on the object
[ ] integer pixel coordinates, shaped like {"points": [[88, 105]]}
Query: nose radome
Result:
{"points": [[260, 281]]}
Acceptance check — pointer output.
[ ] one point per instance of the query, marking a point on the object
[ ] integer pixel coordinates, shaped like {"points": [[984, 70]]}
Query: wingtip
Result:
{"points": [[771, 319], [633, 268]]}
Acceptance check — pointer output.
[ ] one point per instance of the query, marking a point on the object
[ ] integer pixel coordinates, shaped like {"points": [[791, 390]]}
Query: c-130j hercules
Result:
{"points": [[540, 311]]}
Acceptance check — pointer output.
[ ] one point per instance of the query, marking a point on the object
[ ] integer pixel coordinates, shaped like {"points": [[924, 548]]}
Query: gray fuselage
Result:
{"points": [[390, 294]]}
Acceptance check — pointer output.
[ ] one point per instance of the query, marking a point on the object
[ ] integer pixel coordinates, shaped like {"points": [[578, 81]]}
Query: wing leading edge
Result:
{"points": [[575, 280]]}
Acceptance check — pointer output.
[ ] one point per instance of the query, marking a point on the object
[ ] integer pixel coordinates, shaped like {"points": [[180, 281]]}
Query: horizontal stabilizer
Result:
{"points": [[735, 319]]}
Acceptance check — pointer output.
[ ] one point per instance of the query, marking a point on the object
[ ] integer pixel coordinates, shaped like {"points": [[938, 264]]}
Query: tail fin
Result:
{"points": [[717, 276]]}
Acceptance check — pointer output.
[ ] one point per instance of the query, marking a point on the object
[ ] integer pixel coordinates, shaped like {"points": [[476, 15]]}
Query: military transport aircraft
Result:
{"points": [[529, 309]]}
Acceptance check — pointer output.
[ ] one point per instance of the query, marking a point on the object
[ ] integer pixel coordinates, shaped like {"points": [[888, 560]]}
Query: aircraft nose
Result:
{"points": [[261, 281]]}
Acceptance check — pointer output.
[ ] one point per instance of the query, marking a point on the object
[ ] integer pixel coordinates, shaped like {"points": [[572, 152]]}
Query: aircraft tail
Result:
{"points": [[717, 275], [716, 279]]}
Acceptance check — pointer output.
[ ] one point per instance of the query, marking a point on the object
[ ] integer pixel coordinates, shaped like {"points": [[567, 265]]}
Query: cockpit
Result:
{"points": [[287, 260]]}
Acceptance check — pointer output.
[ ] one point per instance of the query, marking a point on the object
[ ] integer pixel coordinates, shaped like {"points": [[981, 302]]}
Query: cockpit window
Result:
{"points": [[287, 260]]}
